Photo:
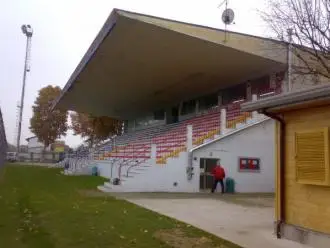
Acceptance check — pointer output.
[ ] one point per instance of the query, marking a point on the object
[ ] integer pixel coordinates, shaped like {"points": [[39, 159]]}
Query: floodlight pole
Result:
{"points": [[290, 34], [27, 31]]}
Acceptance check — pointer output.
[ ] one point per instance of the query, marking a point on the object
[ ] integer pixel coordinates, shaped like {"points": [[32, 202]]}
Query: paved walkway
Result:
{"points": [[244, 224]]}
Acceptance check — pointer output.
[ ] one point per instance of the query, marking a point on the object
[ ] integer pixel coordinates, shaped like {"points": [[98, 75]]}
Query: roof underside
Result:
{"points": [[139, 63]]}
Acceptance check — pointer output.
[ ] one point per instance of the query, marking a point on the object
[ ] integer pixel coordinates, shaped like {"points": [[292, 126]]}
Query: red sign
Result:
{"points": [[249, 164]]}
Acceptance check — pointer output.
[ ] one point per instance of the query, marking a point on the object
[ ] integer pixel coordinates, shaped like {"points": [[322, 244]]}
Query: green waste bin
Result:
{"points": [[94, 171], [230, 185]]}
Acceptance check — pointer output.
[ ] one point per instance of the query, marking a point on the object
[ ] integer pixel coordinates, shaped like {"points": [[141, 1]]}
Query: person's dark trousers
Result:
{"points": [[216, 181]]}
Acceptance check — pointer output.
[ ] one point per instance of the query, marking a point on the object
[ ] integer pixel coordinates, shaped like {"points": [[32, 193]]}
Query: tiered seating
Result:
{"points": [[234, 114], [170, 140], [136, 145], [174, 142]]}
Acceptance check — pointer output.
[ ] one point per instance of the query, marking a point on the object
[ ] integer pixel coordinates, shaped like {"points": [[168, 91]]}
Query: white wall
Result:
{"points": [[104, 169], [161, 178], [257, 141]]}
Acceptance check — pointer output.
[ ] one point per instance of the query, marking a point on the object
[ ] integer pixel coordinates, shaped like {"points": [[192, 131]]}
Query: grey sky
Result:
{"points": [[63, 31]]}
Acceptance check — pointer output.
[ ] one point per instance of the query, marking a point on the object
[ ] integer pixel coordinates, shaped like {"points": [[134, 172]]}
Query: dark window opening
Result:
{"points": [[188, 107], [159, 115]]}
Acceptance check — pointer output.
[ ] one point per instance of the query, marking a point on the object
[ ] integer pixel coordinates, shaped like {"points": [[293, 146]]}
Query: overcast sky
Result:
{"points": [[63, 31]]}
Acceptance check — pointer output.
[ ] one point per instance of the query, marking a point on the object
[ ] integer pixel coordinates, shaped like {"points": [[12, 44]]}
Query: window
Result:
{"points": [[312, 157], [159, 115], [209, 101], [188, 107]]}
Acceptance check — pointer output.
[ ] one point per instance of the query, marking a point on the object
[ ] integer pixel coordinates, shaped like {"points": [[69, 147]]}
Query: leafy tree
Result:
{"points": [[95, 129], [308, 21], [48, 125]]}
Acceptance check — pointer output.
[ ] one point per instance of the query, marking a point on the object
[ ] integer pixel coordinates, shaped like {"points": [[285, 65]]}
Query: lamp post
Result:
{"points": [[27, 31]]}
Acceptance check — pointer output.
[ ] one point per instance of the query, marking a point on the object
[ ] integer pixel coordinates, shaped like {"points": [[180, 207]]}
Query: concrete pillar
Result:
{"points": [[219, 98], [153, 154], [180, 108], [254, 113], [197, 107], [189, 137], [272, 81], [223, 121], [248, 92]]}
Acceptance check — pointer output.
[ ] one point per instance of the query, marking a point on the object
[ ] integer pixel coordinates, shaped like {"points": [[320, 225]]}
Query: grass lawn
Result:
{"points": [[40, 208]]}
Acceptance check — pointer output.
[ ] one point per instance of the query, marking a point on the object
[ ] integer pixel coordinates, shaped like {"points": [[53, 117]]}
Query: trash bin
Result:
{"points": [[66, 165], [230, 185], [94, 171]]}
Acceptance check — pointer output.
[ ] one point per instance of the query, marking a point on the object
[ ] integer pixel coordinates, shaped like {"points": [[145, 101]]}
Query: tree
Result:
{"points": [[309, 23], [95, 129], [48, 125]]}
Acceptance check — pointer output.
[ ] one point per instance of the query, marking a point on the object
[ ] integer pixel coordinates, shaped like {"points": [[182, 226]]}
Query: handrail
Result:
{"points": [[134, 165]]}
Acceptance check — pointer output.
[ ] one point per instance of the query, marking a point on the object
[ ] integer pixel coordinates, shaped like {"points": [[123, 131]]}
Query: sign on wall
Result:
{"points": [[248, 164]]}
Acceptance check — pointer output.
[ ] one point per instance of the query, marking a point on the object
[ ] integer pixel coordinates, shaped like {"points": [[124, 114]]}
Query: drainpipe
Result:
{"points": [[281, 220]]}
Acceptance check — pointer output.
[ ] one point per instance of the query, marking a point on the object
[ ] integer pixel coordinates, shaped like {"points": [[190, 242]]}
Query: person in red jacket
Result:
{"points": [[218, 173]]}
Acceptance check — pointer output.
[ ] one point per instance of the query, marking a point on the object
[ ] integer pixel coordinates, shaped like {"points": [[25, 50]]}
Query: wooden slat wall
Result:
{"points": [[307, 206], [312, 156]]}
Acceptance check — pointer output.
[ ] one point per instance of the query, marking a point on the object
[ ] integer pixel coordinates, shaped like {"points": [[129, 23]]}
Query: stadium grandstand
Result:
{"points": [[178, 87], [3, 142]]}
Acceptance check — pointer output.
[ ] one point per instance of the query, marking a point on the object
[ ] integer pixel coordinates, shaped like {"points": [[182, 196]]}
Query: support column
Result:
{"points": [[197, 107], [248, 92], [180, 109], [189, 137], [254, 113], [153, 154], [223, 121], [220, 99]]}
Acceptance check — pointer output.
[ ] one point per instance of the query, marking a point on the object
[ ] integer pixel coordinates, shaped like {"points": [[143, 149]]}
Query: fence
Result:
{"points": [[47, 157], [3, 141]]}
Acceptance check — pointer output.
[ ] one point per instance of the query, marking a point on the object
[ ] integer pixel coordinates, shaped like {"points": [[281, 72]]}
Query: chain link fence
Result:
{"points": [[3, 142]]}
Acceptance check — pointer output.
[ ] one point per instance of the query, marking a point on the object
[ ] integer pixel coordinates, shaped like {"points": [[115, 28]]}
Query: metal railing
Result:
{"points": [[3, 141]]}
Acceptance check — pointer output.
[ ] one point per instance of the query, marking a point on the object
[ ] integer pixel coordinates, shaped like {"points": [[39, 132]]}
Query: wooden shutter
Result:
{"points": [[312, 156]]}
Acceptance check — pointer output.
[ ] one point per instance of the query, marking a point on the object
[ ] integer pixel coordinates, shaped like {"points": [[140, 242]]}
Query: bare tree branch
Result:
{"points": [[310, 22]]}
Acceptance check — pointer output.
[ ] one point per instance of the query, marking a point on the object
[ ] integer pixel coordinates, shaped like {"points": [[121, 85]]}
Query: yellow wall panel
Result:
{"points": [[307, 206]]}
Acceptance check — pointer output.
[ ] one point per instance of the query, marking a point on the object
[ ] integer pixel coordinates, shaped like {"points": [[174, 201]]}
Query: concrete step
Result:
{"points": [[139, 169], [104, 189], [108, 184], [145, 166], [134, 172], [125, 176]]}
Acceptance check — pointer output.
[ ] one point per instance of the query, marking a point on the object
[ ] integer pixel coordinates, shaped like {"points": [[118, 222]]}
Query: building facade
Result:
{"points": [[302, 164]]}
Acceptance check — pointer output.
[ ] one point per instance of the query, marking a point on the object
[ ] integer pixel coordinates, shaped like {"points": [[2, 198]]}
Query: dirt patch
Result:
{"points": [[176, 238]]}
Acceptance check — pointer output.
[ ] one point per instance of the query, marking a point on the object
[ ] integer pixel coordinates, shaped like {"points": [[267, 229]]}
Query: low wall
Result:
{"points": [[48, 157]]}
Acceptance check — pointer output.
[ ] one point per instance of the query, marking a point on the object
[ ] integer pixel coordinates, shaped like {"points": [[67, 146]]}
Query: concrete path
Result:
{"points": [[247, 226]]}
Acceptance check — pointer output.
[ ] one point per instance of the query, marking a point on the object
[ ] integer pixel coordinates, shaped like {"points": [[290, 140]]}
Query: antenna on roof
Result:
{"points": [[228, 16]]}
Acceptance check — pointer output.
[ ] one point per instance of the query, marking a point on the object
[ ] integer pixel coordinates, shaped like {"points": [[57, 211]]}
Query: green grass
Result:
{"points": [[40, 208]]}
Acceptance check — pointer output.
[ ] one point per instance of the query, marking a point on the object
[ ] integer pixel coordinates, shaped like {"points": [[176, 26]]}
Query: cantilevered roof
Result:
{"points": [[292, 100], [140, 63]]}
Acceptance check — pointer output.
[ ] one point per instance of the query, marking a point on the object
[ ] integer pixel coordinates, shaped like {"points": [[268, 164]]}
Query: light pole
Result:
{"points": [[27, 31]]}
